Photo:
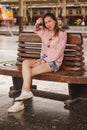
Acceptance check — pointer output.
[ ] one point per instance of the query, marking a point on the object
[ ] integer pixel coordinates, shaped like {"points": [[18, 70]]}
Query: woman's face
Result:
{"points": [[49, 23]]}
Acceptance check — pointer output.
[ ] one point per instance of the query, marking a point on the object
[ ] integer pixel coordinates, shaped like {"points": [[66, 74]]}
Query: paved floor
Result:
{"points": [[44, 114], [40, 113]]}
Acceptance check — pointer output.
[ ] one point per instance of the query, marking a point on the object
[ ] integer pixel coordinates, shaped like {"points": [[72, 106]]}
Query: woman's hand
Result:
{"points": [[39, 22], [37, 62]]}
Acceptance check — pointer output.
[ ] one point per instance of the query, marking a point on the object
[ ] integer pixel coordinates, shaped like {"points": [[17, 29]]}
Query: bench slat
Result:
{"points": [[74, 39], [73, 58], [29, 38], [74, 53], [77, 48], [74, 64], [27, 50], [29, 46]]}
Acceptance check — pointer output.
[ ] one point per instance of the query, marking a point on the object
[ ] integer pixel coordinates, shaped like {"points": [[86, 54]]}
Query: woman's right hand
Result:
{"points": [[39, 21]]}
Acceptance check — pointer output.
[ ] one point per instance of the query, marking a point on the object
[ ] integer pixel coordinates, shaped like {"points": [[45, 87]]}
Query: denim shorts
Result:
{"points": [[52, 64]]}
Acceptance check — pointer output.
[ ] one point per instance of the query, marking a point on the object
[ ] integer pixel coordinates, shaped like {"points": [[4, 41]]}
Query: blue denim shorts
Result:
{"points": [[52, 64]]}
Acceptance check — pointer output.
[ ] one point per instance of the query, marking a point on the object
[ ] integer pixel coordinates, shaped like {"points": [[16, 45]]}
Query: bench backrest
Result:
{"points": [[30, 46]]}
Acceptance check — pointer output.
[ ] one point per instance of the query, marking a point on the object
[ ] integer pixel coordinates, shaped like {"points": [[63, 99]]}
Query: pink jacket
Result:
{"points": [[57, 45]]}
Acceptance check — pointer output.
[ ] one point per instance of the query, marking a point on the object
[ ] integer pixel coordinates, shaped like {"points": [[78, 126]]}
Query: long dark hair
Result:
{"points": [[56, 28]]}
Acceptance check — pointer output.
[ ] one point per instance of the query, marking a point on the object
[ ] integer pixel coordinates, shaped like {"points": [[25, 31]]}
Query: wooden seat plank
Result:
{"points": [[79, 77]]}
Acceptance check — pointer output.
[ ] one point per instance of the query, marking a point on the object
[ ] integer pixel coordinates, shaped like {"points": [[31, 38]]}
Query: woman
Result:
{"points": [[52, 52]]}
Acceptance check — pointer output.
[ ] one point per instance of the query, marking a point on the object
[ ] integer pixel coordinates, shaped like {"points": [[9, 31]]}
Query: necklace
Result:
{"points": [[50, 39]]}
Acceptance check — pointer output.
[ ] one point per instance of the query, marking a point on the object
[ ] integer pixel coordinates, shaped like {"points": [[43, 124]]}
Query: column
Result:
{"points": [[64, 15], [20, 15]]}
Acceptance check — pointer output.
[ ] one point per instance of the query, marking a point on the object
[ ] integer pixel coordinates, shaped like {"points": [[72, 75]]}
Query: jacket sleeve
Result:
{"points": [[38, 31]]}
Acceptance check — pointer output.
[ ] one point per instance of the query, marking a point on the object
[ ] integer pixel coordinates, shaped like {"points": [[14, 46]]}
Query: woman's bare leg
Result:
{"points": [[31, 68], [26, 73]]}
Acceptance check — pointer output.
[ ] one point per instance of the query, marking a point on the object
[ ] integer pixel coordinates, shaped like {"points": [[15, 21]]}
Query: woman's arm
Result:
{"points": [[38, 23]]}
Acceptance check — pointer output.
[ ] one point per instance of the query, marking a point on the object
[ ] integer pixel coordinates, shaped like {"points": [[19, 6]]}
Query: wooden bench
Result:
{"points": [[73, 70]]}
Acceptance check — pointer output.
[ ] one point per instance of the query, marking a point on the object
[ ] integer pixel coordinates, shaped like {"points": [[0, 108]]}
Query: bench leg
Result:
{"points": [[76, 92], [15, 90]]}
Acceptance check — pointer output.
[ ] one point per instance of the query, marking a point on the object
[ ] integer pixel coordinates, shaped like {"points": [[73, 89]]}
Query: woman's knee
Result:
{"points": [[25, 63]]}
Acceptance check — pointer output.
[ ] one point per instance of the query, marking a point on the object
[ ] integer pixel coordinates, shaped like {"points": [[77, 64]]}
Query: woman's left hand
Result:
{"points": [[38, 62]]}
